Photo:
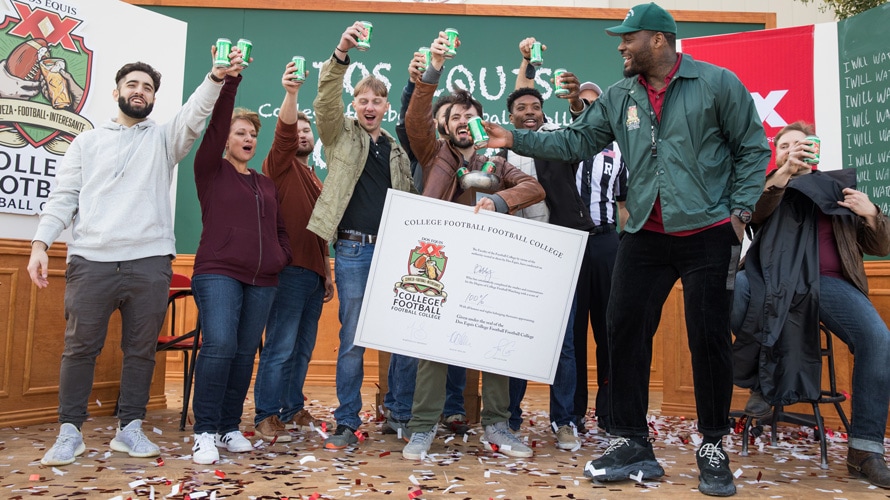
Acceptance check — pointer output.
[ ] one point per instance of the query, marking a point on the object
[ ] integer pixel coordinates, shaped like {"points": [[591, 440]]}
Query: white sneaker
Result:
{"points": [[498, 438], [419, 445], [204, 451], [567, 438], [234, 441], [131, 440], [68, 445]]}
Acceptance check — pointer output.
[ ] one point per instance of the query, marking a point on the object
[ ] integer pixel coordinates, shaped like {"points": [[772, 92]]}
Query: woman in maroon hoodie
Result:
{"points": [[243, 247]]}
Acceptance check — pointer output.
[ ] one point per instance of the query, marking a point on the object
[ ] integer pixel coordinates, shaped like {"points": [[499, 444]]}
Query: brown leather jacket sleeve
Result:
{"points": [[520, 190]]}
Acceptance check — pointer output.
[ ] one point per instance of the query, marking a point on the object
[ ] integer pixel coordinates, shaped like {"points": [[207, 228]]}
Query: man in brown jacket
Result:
{"points": [[440, 160]]}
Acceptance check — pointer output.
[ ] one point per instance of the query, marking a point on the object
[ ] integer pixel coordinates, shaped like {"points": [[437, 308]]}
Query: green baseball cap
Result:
{"points": [[646, 16]]}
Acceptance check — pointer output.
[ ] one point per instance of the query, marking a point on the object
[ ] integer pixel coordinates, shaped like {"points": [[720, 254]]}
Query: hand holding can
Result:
{"points": [[245, 46], [299, 68], [815, 149], [223, 47], [427, 57], [536, 56], [477, 132], [364, 42], [453, 42], [558, 83]]}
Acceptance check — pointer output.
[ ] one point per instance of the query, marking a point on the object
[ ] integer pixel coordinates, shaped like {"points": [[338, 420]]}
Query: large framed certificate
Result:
{"points": [[487, 291]]}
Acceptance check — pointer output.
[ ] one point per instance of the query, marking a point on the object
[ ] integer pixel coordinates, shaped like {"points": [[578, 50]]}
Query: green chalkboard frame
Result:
{"points": [[489, 34]]}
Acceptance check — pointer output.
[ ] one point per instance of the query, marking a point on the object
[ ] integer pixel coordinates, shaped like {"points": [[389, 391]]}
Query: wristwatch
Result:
{"points": [[742, 214]]}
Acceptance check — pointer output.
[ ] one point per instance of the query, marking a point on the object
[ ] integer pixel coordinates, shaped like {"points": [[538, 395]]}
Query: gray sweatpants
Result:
{"points": [[93, 291]]}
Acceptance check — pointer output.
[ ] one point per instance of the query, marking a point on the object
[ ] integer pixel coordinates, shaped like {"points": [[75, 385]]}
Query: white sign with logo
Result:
{"points": [[57, 65], [486, 291]]}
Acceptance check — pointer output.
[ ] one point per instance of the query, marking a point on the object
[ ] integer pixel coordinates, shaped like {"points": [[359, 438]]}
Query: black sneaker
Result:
{"points": [[715, 478], [624, 458]]}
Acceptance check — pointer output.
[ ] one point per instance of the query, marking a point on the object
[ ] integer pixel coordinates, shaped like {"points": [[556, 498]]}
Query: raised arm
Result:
{"points": [[285, 143], [329, 107], [419, 120]]}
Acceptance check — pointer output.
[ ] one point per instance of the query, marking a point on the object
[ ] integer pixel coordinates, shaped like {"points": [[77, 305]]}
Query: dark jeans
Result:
{"points": [[233, 315], [93, 291], [592, 293], [646, 269]]}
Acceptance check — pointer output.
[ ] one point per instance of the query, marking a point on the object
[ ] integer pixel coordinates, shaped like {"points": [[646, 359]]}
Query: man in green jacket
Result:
{"points": [[363, 162], [696, 155]]}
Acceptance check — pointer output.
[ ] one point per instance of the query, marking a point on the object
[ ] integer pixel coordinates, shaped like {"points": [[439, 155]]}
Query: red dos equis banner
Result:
{"points": [[775, 65]]}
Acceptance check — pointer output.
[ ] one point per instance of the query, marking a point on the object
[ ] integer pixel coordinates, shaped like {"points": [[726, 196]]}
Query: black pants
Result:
{"points": [[646, 269]]}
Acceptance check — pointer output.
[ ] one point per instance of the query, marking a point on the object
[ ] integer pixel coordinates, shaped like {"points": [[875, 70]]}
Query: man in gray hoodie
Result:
{"points": [[113, 189]]}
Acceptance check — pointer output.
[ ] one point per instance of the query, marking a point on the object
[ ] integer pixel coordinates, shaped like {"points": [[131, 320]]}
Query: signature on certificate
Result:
{"points": [[502, 350], [477, 299], [416, 330], [460, 338], [482, 272]]}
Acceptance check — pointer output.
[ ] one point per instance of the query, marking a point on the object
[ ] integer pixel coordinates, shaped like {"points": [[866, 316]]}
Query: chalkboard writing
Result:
{"points": [[486, 64], [864, 63]]}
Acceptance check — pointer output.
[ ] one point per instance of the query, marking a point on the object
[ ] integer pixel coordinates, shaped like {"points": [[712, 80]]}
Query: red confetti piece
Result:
{"points": [[415, 493], [220, 474], [740, 424], [360, 435], [759, 475], [845, 393], [34, 477], [654, 430], [493, 446], [248, 433], [274, 438], [534, 443], [385, 453], [160, 462], [314, 496], [358, 482], [324, 427]]}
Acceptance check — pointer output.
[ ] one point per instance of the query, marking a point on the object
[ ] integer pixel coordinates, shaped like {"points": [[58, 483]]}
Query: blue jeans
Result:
{"points": [[401, 377], [562, 392], [455, 383], [352, 263], [853, 319], [290, 339], [647, 266], [232, 316]]}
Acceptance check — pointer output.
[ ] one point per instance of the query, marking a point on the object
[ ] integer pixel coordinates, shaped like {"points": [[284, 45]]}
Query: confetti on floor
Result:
{"points": [[454, 468]]}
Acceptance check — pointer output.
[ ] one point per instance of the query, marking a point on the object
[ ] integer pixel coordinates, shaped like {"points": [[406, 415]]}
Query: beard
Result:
{"points": [[305, 151], [133, 112], [461, 144]]}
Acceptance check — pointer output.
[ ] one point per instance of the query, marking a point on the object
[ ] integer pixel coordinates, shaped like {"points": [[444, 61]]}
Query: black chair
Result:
{"points": [[830, 396], [188, 343]]}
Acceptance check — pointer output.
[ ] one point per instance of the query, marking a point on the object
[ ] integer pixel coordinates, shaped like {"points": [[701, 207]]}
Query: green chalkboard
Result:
{"points": [[864, 63], [485, 63]]}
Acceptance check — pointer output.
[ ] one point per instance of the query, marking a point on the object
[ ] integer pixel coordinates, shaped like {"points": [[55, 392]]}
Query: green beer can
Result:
{"points": [[537, 55], [427, 57], [462, 171], [817, 148], [245, 45], [299, 68], [223, 47], [364, 43], [489, 167], [477, 132], [557, 81], [452, 35]]}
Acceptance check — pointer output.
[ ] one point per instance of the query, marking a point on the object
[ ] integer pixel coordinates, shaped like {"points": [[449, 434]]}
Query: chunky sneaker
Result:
{"points": [[235, 442], [622, 459], [567, 438], [394, 425], [271, 429], [204, 451], [304, 421], [498, 438], [341, 438], [419, 445], [131, 440], [457, 424], [68, 445], [756, 406], [715, 478]]}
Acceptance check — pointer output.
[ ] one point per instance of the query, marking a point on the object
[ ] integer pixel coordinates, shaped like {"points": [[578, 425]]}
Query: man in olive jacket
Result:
{"points": [[696, 155], [363, 162]]}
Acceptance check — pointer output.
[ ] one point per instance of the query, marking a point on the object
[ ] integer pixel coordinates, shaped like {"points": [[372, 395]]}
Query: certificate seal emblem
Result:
{"points": [[421, 291]]}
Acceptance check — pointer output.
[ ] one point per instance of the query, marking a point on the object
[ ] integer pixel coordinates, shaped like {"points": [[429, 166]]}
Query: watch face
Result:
{"points": [[743, 215]]}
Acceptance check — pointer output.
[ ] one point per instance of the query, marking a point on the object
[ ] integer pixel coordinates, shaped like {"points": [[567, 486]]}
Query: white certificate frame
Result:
{"points": [[486, 291]]}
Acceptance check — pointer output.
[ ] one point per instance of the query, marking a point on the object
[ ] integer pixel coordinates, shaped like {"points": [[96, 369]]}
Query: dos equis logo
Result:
{"points": [[421, 291], [44, 79]]}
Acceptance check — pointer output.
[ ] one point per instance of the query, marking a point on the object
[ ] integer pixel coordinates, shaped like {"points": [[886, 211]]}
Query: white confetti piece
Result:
{"points": [[413, 480], [198, 494], [98, 403], [151, 493], [136, 484], [58, 472], [107, 454], [638, 477], [175, 490], [119, 497], [307, 458], [449, 438], [399, 433], [738, 473], [157, 431]]}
